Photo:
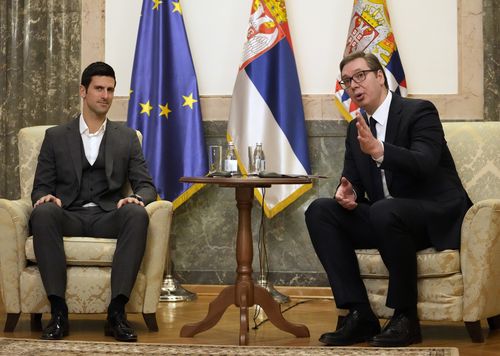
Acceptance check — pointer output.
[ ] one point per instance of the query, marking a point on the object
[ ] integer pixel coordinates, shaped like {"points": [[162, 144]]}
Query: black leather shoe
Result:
{"points": [[118, 327], [401, 330], [57, 328], [356, 327]]}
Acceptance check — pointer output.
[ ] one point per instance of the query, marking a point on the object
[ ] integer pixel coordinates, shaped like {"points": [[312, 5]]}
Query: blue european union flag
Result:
{"points": [[164, 102]]}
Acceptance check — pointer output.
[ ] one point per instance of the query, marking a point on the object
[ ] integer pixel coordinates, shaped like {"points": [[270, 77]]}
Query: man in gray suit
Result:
{"points": [[82, 168]]}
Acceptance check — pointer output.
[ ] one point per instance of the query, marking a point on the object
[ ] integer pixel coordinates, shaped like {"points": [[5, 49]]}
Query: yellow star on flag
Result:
{"points": [[189, 101], [177, 7], [146, 108], [157, 4], [165, 110]]}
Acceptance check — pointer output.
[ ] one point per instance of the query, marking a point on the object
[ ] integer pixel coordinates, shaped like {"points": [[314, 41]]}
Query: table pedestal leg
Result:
{"points": [[244, 294], [273, 312], [215, 311]]}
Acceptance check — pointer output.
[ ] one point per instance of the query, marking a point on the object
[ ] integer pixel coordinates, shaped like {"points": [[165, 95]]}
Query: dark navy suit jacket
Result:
{"points": [[417, 165]]}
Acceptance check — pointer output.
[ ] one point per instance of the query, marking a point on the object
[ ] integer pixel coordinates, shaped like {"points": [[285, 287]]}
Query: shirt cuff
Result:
{"points": [[136, 196]]}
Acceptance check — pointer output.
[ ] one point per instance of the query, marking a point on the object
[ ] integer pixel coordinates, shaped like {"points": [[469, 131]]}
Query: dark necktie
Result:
{"points": [[372, 127], [378, 191]]}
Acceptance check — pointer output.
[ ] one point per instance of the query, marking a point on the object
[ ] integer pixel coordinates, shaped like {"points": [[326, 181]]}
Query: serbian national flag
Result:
{"points": [[370, 31], [267, 104], [164, 102]]}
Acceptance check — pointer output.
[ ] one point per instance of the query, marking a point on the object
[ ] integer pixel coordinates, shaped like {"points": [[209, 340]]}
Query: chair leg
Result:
{"points": [[494, 322], [474, 330], [36, 322], [11, 322], [150, 319]]}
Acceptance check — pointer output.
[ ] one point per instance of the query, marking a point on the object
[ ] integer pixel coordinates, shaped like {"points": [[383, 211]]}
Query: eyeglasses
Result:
{"points": [[358, 77]]}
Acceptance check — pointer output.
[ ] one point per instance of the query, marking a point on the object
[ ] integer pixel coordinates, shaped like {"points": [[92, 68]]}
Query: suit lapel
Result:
{"points": [[74, 141], [393, 119], [111, 141], [393, 122]]}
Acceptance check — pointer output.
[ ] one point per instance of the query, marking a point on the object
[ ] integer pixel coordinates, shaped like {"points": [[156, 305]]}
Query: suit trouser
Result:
{"points": [[129, 224], [396, 227]]}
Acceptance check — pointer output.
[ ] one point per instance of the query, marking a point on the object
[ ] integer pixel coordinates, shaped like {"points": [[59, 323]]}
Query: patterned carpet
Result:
{"points": [[30, 347]]}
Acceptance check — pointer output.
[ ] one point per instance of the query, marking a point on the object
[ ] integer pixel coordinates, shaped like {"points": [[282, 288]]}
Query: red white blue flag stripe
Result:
{"points": [[267, 104]]}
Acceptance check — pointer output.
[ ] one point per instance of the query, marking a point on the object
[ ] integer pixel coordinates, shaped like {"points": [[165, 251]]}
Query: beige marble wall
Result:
{"points": [[467, 104], [93, 22]]}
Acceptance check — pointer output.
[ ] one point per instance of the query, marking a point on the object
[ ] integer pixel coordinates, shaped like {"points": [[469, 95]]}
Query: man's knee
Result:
{"points": [[134, 212], [383, 212], [320, 207], [45, 213]]}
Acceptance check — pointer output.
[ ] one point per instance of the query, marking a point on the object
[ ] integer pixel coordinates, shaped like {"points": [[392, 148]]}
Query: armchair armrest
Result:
{"points": [[480, 260], [14, 227], [160, 220]]}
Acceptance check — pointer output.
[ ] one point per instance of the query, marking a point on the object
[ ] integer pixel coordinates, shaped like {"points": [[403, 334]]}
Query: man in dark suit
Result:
{"points": [[399, 192], [77, 191]]}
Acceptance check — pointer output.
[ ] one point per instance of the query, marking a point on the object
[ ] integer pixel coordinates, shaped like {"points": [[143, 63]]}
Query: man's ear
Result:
{"points": [[83, 91], [380, 76]]}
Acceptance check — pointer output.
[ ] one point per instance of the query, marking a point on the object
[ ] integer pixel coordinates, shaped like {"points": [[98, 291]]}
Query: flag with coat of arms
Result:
{"points": [[370, 31], [267, 106], [164, 102]]}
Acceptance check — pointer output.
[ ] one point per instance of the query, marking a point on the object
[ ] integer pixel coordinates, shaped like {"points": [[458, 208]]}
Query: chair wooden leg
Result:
{"points": [[494, 322], [11, 322], [150, 319], [36, 322], [474, 330]]}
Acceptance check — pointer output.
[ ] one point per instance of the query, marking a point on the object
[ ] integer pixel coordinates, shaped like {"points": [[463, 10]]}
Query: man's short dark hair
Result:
{"points": [[371, 60], [96, 68]]}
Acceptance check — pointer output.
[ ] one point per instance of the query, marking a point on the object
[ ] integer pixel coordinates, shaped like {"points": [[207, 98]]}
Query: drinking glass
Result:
{"points": [[214, 158], [251, 165]]}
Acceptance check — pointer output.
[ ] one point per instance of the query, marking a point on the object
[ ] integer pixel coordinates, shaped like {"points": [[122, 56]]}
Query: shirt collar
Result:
{"points": [[84, 129], [382, 113]]}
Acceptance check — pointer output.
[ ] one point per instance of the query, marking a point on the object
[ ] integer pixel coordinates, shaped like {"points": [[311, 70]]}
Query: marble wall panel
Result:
{"points": [[40, 65], [204, 228], [491, 29]]}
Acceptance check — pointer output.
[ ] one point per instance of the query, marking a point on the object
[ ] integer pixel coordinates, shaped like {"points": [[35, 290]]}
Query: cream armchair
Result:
{"points": [[89, 259], [457, 285]]}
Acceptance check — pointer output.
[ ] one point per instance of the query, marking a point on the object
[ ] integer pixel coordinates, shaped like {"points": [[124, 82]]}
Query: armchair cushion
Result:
{"points": [[430, 263], [81, 251]]}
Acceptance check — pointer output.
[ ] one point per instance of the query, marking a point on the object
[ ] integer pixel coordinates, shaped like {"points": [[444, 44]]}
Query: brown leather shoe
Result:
{"points": [[356, 327], [118, 327], [401, 330]]}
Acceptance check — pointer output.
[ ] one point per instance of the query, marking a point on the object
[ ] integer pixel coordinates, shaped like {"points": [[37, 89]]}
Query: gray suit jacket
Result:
{"points": [[59, 168]]}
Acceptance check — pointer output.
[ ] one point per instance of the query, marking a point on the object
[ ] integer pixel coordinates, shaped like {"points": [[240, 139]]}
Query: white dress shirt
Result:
{"points": [[91, 141], [91, 144]]}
